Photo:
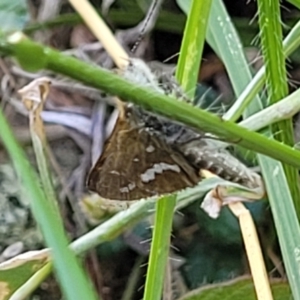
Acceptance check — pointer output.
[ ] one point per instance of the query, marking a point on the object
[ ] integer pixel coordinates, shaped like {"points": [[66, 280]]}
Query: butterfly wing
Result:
{"points": [[136, 164]]}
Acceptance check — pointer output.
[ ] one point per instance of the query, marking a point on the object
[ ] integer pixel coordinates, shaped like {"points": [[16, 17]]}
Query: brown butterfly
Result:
{"points": [[149, 155], [137, 162]]}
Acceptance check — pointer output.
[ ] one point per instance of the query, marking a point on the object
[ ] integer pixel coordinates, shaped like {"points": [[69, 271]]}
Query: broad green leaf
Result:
{"points": [[240, 288]]}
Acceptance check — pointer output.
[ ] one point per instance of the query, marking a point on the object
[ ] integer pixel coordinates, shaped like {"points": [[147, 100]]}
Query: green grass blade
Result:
{"points": [[192, 46], [159, 247], [224, 39], [68, 270], [276, 79], [285, 218], [280, 184], [222, 36]]}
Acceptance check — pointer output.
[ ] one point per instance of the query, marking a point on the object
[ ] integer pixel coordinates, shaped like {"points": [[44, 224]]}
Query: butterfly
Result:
{"points": [[148, 155], [137, 162]]}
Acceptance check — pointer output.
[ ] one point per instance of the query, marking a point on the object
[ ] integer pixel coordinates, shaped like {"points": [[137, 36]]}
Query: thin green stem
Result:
{"points": [[284, 109], [25, 49]]}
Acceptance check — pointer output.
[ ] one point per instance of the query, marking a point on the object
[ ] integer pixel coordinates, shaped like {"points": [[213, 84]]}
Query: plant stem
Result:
{"points": [[26, 50]]}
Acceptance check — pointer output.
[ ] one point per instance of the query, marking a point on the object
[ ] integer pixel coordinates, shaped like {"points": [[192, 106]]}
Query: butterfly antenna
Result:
{"points": [[148, 23]]}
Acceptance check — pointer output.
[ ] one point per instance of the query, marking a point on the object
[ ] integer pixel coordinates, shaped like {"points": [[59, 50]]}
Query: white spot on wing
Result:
{"points": [[131, 186], [150, 149], [124, 189], [128, 188], [158, 169], [114, 172]]}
